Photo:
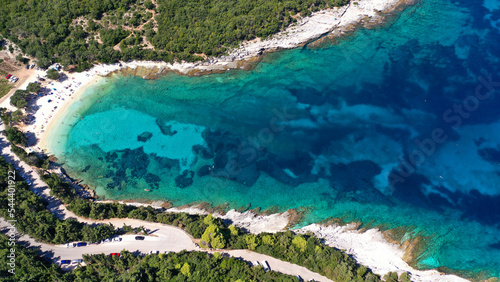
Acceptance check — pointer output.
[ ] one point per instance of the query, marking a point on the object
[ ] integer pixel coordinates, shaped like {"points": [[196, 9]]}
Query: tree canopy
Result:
{"points": [[33, 87], [19, 98], [78, 32]]}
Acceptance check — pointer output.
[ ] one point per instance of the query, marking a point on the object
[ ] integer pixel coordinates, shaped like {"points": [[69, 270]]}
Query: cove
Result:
{"points": [[342, 130]]}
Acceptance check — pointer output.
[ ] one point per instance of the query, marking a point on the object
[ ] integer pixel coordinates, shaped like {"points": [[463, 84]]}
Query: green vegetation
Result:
{"points": [[213, 238], [53, 74], [308, 251], [22, 59], [183, 266], [77, 32], [20, 98], [5, 87], [393, 277], [304, 250], [31, 158], [15, 136], [191, 26], [29, 265], [34, 219], [33, 87]]}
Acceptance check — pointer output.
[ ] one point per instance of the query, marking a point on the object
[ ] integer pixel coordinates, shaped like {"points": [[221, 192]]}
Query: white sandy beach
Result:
{"points": [[369, 248]]}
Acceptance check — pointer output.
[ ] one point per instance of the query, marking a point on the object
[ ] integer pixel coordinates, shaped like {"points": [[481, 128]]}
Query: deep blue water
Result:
{"points": [[394, 126]]}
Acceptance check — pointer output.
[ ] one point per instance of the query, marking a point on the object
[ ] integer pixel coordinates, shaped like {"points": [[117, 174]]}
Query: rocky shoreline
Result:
{"points": [[330, 23]]}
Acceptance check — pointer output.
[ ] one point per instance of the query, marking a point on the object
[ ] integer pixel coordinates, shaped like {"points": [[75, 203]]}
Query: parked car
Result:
{"points": [[117, 239], [8, 76], [70, 245], [65, 261], [77, 261], [115, 254], [265, 265], [81, 244], [141, 238], [153, 252]]}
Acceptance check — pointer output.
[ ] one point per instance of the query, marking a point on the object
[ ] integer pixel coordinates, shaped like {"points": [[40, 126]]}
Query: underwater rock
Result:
{"points": [[164, 162], [86, 168], [145, 136], [185, 179], [248, 175], [151, 178], [220, 160], [111, 156], [491, 155], [136, 160], [203, 152], [204, 170], [272, 169], [165, 129], [309, 96], [300, 163], [354, 176]]}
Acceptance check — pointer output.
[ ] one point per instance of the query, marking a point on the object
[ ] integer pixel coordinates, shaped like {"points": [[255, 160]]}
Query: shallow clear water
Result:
{"points": [[397, 126]]}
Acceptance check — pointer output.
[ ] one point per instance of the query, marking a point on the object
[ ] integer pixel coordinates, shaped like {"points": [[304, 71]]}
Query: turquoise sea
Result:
{"points": [[396, 126]]}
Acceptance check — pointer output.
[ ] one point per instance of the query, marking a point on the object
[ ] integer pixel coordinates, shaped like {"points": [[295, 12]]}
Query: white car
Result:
{"points": [[70, 245], [265, 265], [77, 261], [153, 252]]}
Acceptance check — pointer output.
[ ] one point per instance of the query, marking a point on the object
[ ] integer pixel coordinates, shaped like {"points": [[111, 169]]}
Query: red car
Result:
{"points": [[8, 76], [115, 254]]}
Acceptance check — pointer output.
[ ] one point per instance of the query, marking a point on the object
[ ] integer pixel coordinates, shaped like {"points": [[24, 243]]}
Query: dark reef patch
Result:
{"points": [[165, 129], [491, 155], [354, 176], [185, 179], [145, 136]]}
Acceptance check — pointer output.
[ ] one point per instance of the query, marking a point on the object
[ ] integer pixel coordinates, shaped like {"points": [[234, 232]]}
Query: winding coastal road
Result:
{"points": [[161, 237]]}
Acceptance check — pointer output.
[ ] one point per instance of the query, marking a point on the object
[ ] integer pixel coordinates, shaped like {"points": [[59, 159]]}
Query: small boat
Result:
{"points": [[147, 190]]}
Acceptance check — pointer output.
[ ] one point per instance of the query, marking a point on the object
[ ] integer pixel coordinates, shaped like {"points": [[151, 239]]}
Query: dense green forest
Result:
{"points": [[29, 266], [83, 32], [183, 266], [33, 218]]}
